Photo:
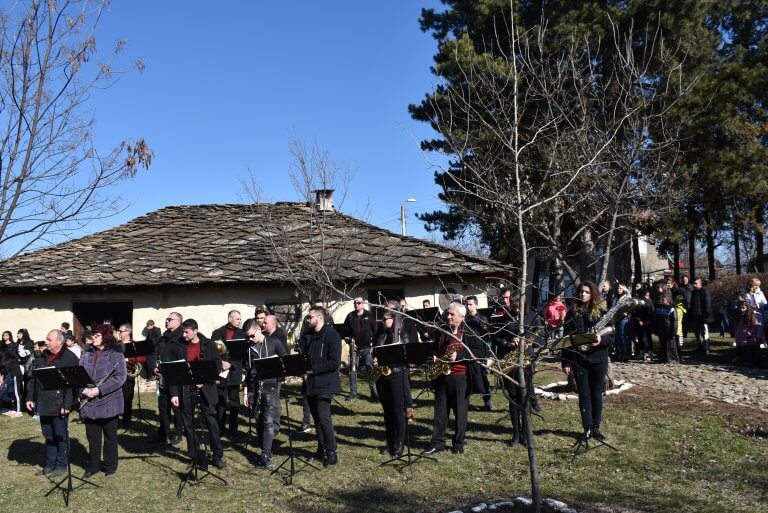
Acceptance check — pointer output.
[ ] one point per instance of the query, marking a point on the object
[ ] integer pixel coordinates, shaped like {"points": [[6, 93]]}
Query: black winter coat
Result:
{"points": [[48, 403], [362, 327], [323, 350], [235, 376], [701, 306], [208, 352], [579, 324]]}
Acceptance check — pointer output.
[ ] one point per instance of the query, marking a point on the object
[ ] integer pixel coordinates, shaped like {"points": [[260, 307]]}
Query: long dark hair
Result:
{"points": [[7, 356], [24, 335], [10, 337], [107, 332], [596, 302]]}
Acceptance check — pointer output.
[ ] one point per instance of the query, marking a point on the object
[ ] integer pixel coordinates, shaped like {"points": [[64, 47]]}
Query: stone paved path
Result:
{"points": [[734, 385]]}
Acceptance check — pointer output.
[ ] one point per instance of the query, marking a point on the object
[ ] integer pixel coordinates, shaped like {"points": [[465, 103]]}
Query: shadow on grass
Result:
{"points": [[31, 451], [363, 498]]}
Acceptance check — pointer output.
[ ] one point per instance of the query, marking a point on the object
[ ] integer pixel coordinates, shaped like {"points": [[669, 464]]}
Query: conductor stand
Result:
{"points": [[180, 374], [394, 355], [65, 378], [277, 367], [136, 350]]}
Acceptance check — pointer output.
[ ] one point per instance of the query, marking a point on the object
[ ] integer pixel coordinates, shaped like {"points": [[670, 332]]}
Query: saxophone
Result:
{"points": [[442, 366], [600, 326], [509, 362]]}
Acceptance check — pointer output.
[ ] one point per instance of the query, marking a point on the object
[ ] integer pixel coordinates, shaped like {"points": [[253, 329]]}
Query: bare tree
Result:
{"points": [[51, 172], [559, 145]]}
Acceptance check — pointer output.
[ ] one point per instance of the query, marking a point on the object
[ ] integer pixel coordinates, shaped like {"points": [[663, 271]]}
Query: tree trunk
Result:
{"points": [[676, 263], [622, 258], [759, 239], [587, 260], [536, 283], [692, 255], [638, 261], [736, 247], [608, 248], [709, 237]]}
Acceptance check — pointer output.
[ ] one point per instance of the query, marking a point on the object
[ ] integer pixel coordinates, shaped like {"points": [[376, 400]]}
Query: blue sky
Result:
{"points": [[227, 83]]}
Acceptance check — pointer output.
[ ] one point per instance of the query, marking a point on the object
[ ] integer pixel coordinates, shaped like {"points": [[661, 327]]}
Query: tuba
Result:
{"points": [[133, 369]]}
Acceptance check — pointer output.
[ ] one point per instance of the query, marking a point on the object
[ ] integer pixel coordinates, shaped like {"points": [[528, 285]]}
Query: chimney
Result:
{"points": [[324, 200]]}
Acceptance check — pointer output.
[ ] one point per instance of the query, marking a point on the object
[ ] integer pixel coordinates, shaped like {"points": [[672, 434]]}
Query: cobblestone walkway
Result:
{"points": [[734, 385]]}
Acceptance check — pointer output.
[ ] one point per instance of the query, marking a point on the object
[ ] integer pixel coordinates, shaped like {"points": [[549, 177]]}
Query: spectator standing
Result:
{"points": [[701, 314], [749, 334]]}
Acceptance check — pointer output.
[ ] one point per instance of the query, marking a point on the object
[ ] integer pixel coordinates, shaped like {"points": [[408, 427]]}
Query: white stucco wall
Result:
{"points": [[42, 311]]}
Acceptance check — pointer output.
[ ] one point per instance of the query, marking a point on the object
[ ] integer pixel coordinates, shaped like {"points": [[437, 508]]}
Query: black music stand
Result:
{"points": [[238, 350], [393, 355], [134, 350], [65, 378], [290, 365], [180, 374], [582, 446]]}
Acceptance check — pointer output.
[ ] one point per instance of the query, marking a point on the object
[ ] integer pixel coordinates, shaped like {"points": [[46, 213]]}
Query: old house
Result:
{"points": [[204, 260]]}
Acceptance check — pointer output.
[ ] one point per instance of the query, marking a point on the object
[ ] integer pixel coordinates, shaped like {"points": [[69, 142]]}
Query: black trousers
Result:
{"points": [[450, 394], [590, 378], [266, 422], [229, 402], [320, 408], [515, 398], [165, 412], [95, 431], [391, 391], [128, 392], [187, 404]]}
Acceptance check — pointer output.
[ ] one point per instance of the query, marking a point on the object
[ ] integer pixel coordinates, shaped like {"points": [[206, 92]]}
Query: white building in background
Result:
{"points": [[205, 260]]}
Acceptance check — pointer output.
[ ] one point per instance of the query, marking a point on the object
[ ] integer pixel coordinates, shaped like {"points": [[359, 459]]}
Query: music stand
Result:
{"points": [[582, 446], [182, 373], [238, 349], [135, 350], [393, 355], [65, 378], [291, 365]]}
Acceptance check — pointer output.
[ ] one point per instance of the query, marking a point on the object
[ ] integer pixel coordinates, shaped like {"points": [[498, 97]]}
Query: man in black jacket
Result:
{"points": [[700, 314], [324, 355], [263, 395], [53, 406], [229, 387], [457, 348], [168, 348], [152, 333], [197, 347], [361, 324]]}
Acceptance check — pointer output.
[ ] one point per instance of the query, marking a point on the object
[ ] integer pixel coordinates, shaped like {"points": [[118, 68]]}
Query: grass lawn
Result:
{"points": [[677, 454]]}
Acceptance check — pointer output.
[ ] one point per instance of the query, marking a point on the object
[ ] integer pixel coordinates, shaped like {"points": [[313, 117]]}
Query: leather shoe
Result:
{"points": [[57, 471], [319, 455], [597, 435], [398, 450], [175, 440], [432, 449], [219, 464], [108, 473], [331, 459], [46, 470], [458, 449], [88, 474]]}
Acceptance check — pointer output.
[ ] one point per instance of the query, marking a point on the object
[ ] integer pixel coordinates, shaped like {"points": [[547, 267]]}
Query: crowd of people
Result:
{"points": [[648, 322]]}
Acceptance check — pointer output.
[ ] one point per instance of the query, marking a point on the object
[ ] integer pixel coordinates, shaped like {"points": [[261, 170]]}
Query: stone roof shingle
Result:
{"points": [[187, 245]]}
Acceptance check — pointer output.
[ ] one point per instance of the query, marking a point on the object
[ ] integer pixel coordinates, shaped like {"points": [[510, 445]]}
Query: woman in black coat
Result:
{"points": [[590, 364], [391, 390]]}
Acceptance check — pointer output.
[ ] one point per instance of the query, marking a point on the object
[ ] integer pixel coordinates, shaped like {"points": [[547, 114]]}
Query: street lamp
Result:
{"points": [[402, 212]]}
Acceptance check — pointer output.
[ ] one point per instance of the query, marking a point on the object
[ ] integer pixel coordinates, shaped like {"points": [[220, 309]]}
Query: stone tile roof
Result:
{"points": [[214, 244]]}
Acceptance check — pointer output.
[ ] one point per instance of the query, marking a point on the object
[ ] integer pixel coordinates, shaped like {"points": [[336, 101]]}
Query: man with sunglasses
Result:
{"points": [[169, 348], [324, 355], [362, 325]]}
